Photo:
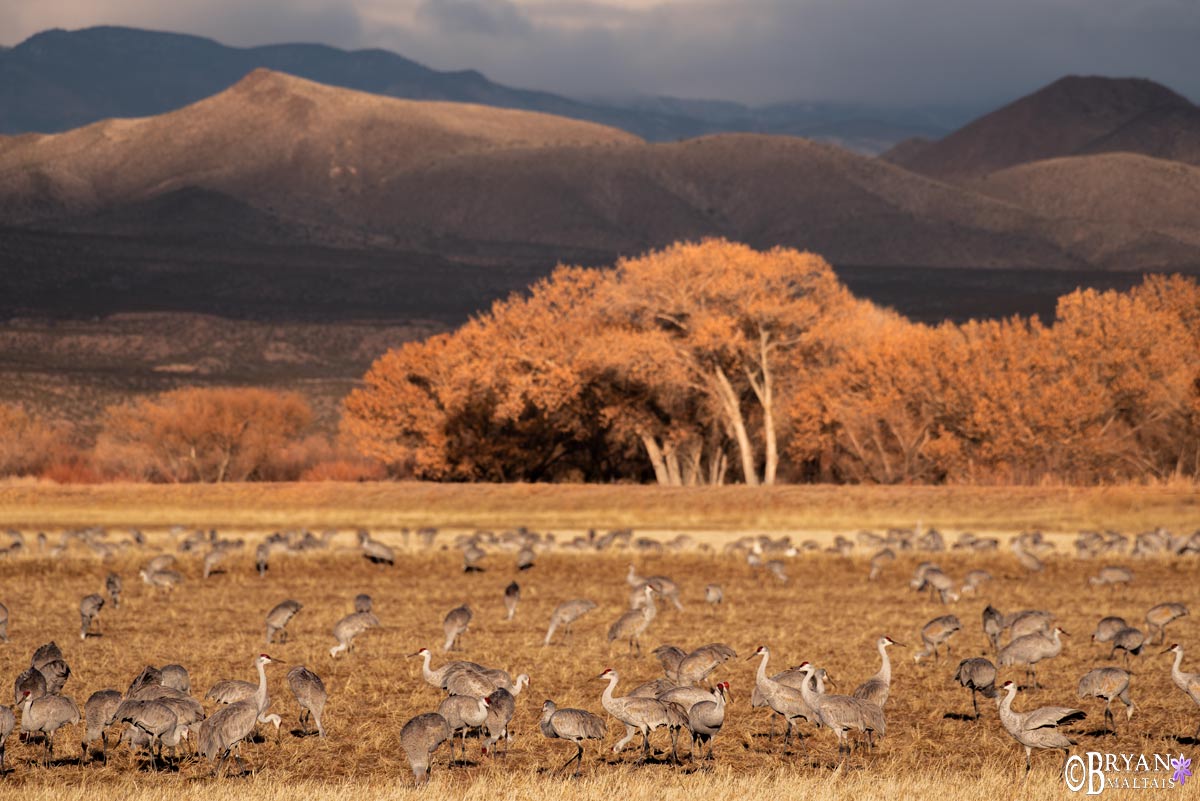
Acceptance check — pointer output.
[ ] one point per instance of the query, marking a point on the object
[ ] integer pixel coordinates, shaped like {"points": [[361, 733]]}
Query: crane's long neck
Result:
{"points": [[885, 669], [260, 695], [1177, 674], [762, 668], [1006, 713], [519, 684], [811, 696], [607, 698], [430, 676]]}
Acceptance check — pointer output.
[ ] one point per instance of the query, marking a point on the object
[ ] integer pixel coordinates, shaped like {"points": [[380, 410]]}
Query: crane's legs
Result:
{"points": [[975, 703], [577, 758]]}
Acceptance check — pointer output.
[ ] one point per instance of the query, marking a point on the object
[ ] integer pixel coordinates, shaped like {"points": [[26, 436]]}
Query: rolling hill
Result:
{"points": [[1072, 116], [59, 80], [279, 157]]}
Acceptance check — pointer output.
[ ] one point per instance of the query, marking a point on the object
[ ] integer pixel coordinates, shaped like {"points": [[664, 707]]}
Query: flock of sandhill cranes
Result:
{"points": [[159, 712]]}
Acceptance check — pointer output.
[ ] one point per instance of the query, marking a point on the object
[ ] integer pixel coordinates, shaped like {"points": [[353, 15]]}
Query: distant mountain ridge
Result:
{"points": [[1073, 116], [59, 80]]}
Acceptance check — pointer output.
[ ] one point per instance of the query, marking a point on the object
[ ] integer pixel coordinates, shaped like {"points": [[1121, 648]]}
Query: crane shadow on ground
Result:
{"points": [[1100, 733], [959, 716], [1183, 739], [301, 733]]}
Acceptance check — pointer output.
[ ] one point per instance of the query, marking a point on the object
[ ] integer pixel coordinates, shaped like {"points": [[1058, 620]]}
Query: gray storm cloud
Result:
{"points": [[876, 51]]}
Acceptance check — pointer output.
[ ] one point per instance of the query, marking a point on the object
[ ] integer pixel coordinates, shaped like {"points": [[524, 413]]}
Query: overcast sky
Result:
{"points": [[902, 52]]}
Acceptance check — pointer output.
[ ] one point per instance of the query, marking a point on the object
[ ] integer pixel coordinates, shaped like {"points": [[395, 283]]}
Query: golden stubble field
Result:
{"points": [[828, 614]]}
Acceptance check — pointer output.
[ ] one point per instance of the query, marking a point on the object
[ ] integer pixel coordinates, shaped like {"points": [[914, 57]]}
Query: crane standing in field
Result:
{"points": [[226, 728], [979, 676], [633, 624], [842, 713], [89, 610], [788, 701], [1161, 616], [706, 718], [1037, 728], [876, 688], [564, 615], [640, 715], [463, 713], [99, 711], [278, 618], [310, 694], [1031, 649], [419, 738], [456, 622], [47, 715], [349, 627], [512, 597], [7, 723], [1107, 683], [574, 725], [1189, 683], [112, 585], [935, 633], [375, 551], [234, 691]]}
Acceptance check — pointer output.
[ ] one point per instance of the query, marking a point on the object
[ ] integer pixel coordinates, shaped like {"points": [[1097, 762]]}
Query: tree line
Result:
{"points": [[704, 363]]}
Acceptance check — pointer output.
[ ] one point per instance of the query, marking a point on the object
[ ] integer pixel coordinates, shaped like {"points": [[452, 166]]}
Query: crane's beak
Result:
{"points": [[899, 644]]}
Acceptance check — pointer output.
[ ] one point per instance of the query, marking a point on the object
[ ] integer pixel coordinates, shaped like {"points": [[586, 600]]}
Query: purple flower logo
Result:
{"points": [[1183, 769]]}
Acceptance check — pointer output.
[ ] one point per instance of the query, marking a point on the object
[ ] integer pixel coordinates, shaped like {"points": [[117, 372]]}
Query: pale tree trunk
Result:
{"points": [[672, 459], [737, 422], [656, 460], [764, 389]]}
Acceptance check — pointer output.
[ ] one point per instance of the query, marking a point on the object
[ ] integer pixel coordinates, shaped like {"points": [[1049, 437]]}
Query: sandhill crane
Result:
{"points": [[165, 580], [651, 689], [1029, 621], [935, 633], [46, 653], [705, 718], [842, 713], [56, 673], [480, 682], [310, 695], [788, 701], [565, 614], [176, 677], [979, 676], [99, 711], [875, 689], [419, 738], [156, 720], [262, 556], [374, 551], [29, 681], [974, 580], [525, 558], [437, 678], [1188, 682], [1028, 560], [632, 624], [278, 618], [463, 713], [575, 725], [993, 625], [1037, 728], [1107, 628], [3, 623], [234, 691], [714, 596], [879, 561], [1129, 640], [502, 705], [112, 585], [1031, 649], [776, 568], [149, 676], [362, 602], [456, 622], [472, 556], [161, 562], [349, 627], [700, 663], [1159, 617], [640, 715], [230, 725], [47, 715], [665, 587], [1107, 683], [512, 597], [1112, 577], [7, 723], [670, 657]]}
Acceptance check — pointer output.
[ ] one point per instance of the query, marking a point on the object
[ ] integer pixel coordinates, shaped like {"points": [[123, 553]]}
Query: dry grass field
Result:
{"points": [[827, 613]]}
